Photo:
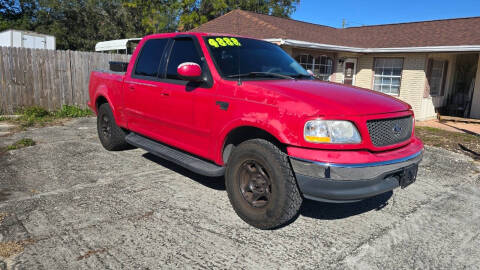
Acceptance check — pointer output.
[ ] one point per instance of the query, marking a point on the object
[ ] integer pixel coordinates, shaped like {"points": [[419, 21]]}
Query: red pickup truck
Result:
{"points": [[223, 105]]}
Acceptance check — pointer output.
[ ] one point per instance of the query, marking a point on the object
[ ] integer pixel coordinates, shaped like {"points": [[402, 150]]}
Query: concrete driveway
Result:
{"points": [[68, 203]]}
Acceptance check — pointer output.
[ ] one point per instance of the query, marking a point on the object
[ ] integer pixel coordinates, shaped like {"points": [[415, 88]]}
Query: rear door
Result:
{"points": [[145, 98]]}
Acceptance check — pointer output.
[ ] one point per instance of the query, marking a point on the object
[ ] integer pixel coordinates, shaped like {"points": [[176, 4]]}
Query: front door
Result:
{"points": [[188, 114], [349, 70]]}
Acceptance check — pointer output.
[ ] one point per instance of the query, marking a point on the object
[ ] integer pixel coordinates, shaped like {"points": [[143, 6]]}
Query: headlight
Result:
{"points": [[331, 131]]}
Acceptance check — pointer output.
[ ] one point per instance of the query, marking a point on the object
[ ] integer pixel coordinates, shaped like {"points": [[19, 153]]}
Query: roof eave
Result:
{"points": [[312, 45]]}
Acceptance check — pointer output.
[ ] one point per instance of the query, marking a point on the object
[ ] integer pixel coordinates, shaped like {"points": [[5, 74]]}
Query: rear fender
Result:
{"points": [[102, 92]]}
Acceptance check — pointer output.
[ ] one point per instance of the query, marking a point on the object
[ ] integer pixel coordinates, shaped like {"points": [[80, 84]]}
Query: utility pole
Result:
{"points": [[343, 23]]}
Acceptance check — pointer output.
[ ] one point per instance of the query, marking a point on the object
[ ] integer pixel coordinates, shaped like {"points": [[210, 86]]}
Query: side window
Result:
{"points": [[149, 60], [183, 50]]}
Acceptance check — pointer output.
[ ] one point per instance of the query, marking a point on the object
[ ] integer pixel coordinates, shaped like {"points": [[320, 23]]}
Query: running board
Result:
{"points": [[183, 159]]}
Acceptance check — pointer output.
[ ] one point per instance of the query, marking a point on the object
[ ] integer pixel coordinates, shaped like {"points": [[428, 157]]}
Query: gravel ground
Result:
{"points": [[66, 203]]}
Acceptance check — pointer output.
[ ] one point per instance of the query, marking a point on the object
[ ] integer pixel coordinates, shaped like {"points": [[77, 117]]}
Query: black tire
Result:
{"points": [[111, 136], [281, 199]]}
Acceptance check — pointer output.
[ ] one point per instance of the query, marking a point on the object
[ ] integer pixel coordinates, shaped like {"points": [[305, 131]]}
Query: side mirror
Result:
{"points": [[190, 71]]}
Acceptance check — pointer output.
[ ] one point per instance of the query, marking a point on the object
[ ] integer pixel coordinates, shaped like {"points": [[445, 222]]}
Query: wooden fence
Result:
{"points": [[47, 78]]}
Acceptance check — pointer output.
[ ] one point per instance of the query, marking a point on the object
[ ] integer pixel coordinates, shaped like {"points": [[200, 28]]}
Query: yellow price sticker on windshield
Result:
{"points": [[228, 41], [213, 42], [223, 42], [235, 41]]}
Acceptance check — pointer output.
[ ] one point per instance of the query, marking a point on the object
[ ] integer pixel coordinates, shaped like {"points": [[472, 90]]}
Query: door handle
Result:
{"points": [[131, 87], [165, 93]]}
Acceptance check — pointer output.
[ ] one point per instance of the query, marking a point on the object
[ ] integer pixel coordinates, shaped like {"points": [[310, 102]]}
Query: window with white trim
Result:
{"points": [[436, 72], [388, 75], [321, 66]]}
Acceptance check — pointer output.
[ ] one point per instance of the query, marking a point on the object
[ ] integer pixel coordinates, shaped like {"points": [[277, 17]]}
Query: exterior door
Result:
{"points": [[349, 71], [145, 95], [188, 115]]}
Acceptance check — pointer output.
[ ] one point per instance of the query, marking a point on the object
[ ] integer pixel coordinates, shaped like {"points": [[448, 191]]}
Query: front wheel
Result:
{"points": [[261, 186]]}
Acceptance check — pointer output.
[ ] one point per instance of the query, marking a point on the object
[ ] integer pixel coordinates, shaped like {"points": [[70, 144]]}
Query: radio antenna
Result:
{"points": [[237, 25]]}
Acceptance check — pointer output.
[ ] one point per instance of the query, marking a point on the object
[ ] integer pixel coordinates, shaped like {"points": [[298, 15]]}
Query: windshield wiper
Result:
{"points": [[298, 76], [260, 74]]}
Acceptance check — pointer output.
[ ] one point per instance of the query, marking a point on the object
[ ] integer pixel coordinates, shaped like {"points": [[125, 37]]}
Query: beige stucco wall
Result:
{"points": [[413, 84], [364, 76]]}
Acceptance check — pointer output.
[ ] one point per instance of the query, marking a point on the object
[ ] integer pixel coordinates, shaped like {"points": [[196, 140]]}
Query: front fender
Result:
{"points": [[263, 121]]}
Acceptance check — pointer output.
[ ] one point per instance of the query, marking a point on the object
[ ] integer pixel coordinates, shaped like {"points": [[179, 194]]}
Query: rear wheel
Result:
{"points": [[261, 186], [111, 136]]}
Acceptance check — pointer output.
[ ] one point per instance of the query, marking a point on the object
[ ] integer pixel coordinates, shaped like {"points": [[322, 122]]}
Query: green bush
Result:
{"points": [[21, 144], [72, 112], [34, 112], [35, 115]]}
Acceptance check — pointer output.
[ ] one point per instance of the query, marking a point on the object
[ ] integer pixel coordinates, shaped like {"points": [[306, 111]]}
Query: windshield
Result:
{"points": [[251, 58]]}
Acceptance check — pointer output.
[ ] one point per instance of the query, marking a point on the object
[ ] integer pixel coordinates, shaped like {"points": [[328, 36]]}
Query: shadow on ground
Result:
{"points": [[312, 209], [216, 183], [464, 130]]}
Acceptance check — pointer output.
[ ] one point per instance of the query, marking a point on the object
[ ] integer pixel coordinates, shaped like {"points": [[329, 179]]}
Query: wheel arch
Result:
{"points": [[101, 99], [242, 133]]}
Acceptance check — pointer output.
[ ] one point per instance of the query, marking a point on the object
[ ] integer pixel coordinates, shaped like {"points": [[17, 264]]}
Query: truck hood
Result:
{"points": [[310, 97]]}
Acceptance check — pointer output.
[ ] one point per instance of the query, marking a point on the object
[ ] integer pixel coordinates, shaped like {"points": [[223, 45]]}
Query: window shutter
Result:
{"points": [[426, 92], [444, 80]]}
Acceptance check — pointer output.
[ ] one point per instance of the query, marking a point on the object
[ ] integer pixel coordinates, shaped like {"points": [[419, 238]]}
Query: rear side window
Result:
{"points": [[149, 60], [183, 50]]}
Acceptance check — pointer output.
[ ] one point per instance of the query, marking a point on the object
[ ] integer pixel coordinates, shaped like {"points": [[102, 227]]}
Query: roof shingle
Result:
{"points": [[450, 32]]}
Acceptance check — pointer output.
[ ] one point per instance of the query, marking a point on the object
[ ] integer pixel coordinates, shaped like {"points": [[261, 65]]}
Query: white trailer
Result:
{"points": [[26, 39], [126, 46]]}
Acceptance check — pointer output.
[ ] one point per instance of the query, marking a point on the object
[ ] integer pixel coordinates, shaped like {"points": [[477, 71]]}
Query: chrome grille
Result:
{"points": [[384, 132]]}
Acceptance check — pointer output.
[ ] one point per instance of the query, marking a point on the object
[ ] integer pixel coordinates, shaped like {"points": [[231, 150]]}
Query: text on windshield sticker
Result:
{"points": [[223, 42]]}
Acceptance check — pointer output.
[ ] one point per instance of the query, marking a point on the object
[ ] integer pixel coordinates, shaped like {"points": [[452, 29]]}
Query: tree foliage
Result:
{"points": [[80, 24], [195, 13]]}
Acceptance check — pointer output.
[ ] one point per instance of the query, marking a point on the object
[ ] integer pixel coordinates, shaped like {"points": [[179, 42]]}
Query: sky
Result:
{"points": [[358, 13]]}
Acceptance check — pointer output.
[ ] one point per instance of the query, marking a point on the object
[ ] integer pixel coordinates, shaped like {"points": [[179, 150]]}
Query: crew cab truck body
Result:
{"points": [[243, 108]]}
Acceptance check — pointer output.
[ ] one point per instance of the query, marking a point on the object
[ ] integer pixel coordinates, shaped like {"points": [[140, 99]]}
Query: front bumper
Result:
{"points": [[350, 182]]}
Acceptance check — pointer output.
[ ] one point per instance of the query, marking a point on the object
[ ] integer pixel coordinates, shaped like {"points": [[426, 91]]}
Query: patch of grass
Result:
{"points": [[454, 141], [37, 116], [68, 111], [33, 115], [35, 112], [26, 142]]}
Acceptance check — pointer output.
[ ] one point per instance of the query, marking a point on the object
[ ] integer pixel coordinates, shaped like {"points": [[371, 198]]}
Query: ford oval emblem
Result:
{"points": [[397, 129]]}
